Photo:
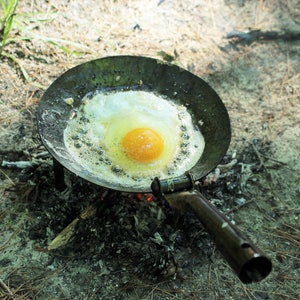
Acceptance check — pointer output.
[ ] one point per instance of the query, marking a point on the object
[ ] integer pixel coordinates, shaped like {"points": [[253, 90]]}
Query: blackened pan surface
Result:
{"points": [[139, 73]]}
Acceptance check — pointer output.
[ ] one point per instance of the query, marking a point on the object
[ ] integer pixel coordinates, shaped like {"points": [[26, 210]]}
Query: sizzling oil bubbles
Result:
{"points": [[94, 136]]}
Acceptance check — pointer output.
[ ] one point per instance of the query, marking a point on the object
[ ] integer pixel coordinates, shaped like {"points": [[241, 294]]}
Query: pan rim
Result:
{"points": [[58, 155]]}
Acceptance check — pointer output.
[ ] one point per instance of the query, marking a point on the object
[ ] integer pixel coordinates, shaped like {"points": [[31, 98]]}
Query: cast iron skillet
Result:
{"points": [[206, 108]]}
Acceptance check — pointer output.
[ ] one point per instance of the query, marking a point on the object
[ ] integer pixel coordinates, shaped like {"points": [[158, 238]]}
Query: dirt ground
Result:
{"points": [[135, 249]]}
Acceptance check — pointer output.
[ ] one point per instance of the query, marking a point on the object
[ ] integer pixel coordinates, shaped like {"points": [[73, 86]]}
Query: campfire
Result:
{"points": [[108, 136], [152, 237]]}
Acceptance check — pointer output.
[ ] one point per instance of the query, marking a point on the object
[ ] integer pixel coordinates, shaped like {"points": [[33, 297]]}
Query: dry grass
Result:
{"points": [[259, 84]]}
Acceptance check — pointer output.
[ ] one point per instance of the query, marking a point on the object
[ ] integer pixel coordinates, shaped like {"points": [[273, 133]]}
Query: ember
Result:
{"points": [[126, 223], [145, 196]]}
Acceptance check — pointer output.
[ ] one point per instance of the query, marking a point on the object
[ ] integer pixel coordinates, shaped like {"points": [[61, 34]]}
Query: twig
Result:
{"points": [[7, 177], [238, 207], [247, 38], [3, 246], [10, 293], [261, 162], [18, 164], [288, 236], [259, 156], [66, 234], [23, 164]]}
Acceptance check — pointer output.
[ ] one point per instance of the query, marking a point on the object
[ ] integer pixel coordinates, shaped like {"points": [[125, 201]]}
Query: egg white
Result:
{"points": [[94, 136]]}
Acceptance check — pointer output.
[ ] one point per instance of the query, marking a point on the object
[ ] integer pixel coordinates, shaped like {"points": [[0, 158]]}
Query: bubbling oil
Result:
{"points": [[94, 136]]}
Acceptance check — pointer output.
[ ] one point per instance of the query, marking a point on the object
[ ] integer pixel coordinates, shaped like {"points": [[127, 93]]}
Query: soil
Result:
{"points": [[130, 247]]}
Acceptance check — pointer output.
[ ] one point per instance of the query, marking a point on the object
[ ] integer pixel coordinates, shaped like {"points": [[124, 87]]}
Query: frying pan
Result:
{"points": [[205, 107]]}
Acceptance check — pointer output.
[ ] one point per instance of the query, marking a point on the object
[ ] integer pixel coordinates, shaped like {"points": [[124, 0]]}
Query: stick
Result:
{"points": [[10, 293], [66, 234]]}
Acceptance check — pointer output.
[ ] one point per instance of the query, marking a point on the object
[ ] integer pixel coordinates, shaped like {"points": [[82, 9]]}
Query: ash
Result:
{"points": [[130, 238]]}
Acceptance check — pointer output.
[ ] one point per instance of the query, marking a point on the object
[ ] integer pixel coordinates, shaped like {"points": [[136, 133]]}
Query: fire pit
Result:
{"points": [[64, 97]]}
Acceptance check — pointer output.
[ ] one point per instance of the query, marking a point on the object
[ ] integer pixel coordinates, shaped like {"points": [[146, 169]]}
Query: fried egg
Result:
{"points": [[133, 136]]}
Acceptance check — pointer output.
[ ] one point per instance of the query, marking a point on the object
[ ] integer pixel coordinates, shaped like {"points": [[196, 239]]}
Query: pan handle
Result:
{"points": [[249, 263]]}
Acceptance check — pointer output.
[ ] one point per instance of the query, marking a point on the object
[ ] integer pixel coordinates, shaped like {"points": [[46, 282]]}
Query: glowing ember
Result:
{"points": [[145, 196]]}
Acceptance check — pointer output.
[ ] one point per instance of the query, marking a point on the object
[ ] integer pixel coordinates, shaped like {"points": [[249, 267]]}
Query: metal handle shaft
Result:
{"points": [[250, 264]]}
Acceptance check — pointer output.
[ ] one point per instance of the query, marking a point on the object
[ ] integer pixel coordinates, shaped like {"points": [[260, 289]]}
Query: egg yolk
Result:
{"points": [[143, 144]]}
